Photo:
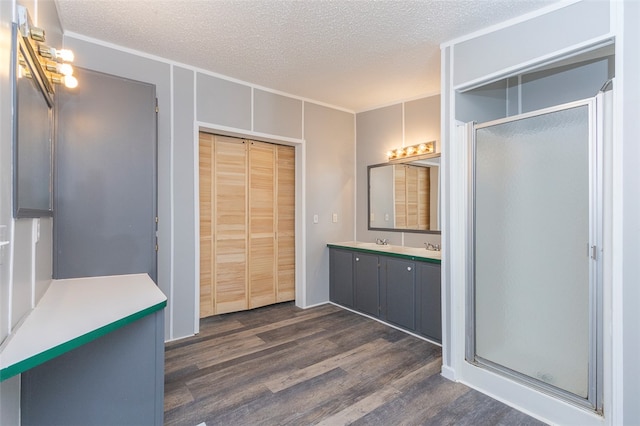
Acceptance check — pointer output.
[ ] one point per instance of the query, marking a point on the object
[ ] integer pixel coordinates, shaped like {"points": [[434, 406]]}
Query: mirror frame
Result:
{"points": [[392, 163], [21, 46]]}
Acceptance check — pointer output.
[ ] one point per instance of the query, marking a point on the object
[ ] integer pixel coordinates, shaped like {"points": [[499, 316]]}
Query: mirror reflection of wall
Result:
{"points": [[381, 200], [405, 197]]}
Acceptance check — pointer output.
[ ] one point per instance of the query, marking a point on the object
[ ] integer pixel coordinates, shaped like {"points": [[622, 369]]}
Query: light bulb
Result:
{"points": [[65, 54], [70, 81], [65, 69], [389, 154], [422, 147]]}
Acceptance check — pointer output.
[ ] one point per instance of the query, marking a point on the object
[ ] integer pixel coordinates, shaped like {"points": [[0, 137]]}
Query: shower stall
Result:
{"points": [[534, 296]]}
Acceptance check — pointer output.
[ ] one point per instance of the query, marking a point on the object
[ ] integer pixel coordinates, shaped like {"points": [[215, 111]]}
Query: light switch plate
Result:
{"points": [[335, 217], [315, 218]]}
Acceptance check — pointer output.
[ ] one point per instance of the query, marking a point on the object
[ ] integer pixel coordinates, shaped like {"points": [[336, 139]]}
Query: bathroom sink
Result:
{"points": [[374, 246]]}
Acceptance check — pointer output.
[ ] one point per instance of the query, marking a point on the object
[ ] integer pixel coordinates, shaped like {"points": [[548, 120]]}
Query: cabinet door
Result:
{"points": [[429, 302], [341, 277], [400, 285], [366, 284]]}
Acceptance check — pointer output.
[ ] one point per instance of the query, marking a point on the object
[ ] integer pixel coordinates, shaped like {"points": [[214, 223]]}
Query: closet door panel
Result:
{"points": [[262, 256], [206, 230], [285, 211], [400, 194], [230, 218], [411, 181], [424, 207]]}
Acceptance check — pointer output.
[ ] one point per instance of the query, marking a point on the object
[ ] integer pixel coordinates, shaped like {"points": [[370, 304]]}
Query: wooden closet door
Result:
{"points": [[230, 224], [206, 142], [424, 197], [285, 213], [411, 181], [262, 226], [399, 185]]}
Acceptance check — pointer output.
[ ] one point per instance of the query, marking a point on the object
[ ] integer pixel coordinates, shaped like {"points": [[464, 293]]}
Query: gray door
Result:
{"points": [[105, 178]]}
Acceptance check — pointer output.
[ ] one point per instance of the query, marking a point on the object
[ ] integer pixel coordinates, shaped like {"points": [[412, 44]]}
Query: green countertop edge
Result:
{"points": [[42, 357], [387, 253]]}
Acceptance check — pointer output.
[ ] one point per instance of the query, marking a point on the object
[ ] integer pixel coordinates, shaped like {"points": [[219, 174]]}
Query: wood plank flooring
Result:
{"points": [[281, 365]]}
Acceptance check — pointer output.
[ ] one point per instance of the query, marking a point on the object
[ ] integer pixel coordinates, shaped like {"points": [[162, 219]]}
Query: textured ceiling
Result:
{"points": [[353, 54]]}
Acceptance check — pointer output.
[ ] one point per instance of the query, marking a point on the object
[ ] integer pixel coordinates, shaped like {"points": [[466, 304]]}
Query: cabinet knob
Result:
{"points": [[357, 259], [408, 268]]}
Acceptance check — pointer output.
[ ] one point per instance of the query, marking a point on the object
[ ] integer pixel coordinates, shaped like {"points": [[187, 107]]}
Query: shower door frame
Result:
{"points": [[596, 178]]}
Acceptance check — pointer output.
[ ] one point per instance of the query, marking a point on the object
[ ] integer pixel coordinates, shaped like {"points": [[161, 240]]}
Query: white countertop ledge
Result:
{"points": [[73, 312], [398, 250]]}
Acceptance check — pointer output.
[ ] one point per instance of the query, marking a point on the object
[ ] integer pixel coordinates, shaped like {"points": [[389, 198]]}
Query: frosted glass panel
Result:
{"points": [[531, 247]]}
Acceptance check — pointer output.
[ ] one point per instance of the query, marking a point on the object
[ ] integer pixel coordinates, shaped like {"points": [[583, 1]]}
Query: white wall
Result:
{"points": [[516, 48], [627, 227]]}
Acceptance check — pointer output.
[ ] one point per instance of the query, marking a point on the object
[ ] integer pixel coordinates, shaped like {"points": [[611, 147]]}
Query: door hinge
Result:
{"points": [[157, 109], [594, 253], [156, 219], [156, 247]]}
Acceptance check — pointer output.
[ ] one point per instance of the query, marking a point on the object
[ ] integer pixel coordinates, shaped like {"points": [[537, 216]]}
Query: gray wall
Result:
{"points": [[534, 90], [329, 188], [26, 262], [225, 105], [380, 130], [495, 53]]}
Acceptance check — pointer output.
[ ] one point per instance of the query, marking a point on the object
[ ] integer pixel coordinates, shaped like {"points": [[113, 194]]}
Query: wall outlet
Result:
{"points": [[316, 219], [335, 218]]}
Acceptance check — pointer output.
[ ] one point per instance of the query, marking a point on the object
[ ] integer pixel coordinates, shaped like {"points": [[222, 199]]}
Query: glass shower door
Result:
{"points": [[534, 286]]}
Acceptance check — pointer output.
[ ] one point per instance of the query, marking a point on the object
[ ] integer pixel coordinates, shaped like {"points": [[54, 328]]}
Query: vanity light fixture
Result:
{"points": [[412, 151], [53, 63]]}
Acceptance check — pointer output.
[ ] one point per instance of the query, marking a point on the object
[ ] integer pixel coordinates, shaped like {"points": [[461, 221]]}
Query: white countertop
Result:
{"points": [[399, 250], [74, 312]]}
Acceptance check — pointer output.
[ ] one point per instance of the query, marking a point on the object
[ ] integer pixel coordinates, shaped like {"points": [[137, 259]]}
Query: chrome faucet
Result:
{"points": [[434, 247], [382, 242]]}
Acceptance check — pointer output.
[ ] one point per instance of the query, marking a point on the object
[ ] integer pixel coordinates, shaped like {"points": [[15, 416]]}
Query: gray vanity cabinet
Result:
{"points": [[367, 287], [341, 277], [400, 290], [428, 301], [399, 287]]}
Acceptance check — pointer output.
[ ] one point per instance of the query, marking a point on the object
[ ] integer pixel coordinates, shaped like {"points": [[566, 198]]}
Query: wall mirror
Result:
{"points": [[32, 132], [405, 197]]}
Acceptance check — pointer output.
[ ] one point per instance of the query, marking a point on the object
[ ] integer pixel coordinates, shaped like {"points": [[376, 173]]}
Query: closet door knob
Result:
{"points": [[408, 268], [357, 259]]}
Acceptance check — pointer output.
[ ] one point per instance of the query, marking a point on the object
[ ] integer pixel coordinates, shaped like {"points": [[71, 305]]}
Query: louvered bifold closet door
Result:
{"points": [[262, 224], [285, 214], [247, 224], [400, 194], [206, 143], [230, 161], [424, 197]]}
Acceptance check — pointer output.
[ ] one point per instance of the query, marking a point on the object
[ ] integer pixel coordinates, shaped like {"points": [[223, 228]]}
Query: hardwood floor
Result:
{"points": [[280, 365]]}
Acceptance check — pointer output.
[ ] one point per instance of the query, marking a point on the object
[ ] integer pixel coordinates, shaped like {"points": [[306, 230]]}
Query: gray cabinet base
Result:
{"points": [[117, 379]]}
